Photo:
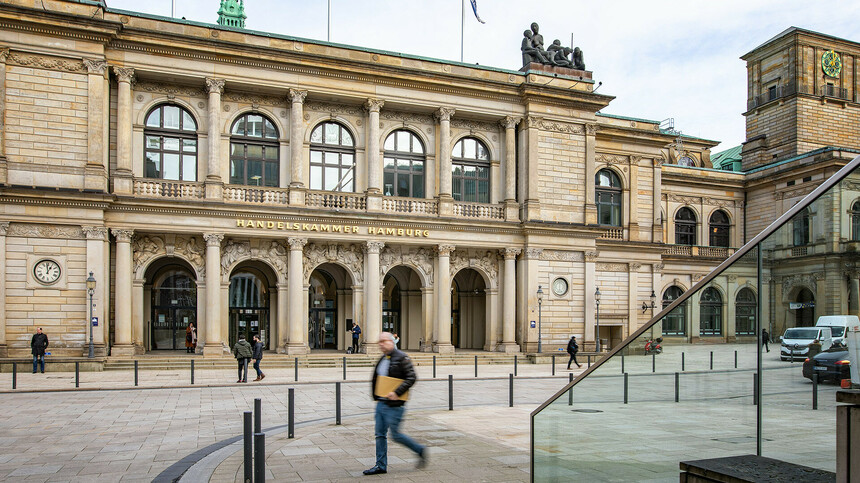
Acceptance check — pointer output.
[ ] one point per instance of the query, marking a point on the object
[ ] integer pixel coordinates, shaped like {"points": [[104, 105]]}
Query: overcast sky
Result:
{"points": [[660, 59]]}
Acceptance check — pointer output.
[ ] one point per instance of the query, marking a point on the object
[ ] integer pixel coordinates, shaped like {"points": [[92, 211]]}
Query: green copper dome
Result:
{"points": [[232, 13]]}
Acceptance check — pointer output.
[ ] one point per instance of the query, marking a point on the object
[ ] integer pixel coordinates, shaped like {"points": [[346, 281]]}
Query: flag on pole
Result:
{"points": [[475, 9]]}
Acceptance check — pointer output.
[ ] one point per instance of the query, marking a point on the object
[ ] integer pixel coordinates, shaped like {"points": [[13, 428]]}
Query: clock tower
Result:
{"points": [[232, 13]]}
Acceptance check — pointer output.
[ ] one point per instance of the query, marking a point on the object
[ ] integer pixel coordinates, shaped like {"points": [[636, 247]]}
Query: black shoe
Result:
{"points": [[422, 459], [375, 471], [579, 365], [43, 372], [34, 372]]}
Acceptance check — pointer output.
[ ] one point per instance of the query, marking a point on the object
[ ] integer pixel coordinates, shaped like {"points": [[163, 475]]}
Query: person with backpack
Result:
{"points": [[572, 349], [356, 333], [243, 352]]}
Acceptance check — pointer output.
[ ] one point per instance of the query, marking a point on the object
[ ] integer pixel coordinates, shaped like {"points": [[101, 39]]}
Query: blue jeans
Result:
{"points": [[257, 367], [388, 417], [41, 360]]}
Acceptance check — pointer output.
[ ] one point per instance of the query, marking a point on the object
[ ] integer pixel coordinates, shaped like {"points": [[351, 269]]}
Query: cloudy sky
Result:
{"points": [[661, 59]]}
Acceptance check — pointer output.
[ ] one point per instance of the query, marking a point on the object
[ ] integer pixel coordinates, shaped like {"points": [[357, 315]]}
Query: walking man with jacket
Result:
{"points": [[243, 352], [38, 344], [258, 354], [389, 408], [572, 349]]}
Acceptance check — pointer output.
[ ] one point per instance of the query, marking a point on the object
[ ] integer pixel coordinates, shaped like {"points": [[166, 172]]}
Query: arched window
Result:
{"points": [[254, 151], [607, 188], [332, 158], [719, 229], [170, 144], [470, 161], [745, 304], [675, 323], [685, 227], [404, 165], [800, 228], [711, 312], [855, 221]]}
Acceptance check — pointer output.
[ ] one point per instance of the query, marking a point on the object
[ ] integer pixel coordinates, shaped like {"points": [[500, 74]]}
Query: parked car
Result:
{"points": [[795, 341], [839, 325], [831, 365]]}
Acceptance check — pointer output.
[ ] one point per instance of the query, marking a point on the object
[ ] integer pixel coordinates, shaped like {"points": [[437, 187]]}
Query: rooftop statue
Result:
{"points": [[556, 54]]}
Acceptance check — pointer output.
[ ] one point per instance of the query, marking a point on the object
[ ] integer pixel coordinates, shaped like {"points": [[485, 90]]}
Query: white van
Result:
{"points": [[795, 341], [838, 326]]}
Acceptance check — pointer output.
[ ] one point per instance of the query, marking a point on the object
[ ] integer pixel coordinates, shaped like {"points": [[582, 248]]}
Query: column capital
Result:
{"points": [[124, 74], [4, 227], [658, 268], [375, 246], [4, 54], [122, 234], [533, 253], [444, 113], [635, 266], [374, 105], [591, 256], [445, 250], [94, 232], [591, 129], [213, 239], [510, 122], [510, 253], [96, 66], [297, 243], [297, 95], [533, 121], [215, 86]]}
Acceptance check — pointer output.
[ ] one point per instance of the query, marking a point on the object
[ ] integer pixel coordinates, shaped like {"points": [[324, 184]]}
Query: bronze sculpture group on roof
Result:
{"points": [[556, 55]]}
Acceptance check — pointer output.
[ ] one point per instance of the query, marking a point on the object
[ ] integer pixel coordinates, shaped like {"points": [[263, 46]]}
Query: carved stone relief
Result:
{"points": [[350, 256], [562, 255], [486, 261], [232, 252], [612, 267], [45, 62], [146, 247], [45, 231], [421, 258]]}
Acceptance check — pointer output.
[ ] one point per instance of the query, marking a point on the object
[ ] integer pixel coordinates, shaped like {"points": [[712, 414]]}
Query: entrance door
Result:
{"points": [[322, 333], [391, 321], [249, 306], [174, 306], [249, 322]]}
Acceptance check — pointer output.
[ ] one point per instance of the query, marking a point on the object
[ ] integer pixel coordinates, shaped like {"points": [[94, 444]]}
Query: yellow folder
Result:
{"points": [[386, 385]]}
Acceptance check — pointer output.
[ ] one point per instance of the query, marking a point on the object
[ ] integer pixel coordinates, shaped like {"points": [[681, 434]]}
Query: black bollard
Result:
{"points": [[736, 359], [476, 366], [249, 446], [291, 411], [296, 365], [625, 388], [344, 368], [14, 375], [653, 362], [553, 364], [192, 372], [259, 457], [677, 386], [337, 403], [77, 374], [510, 390], [622, 363], [755, 389], [258, 415], [135, 373], [815, 391], [712, 360], [515, 365], [570, 391], [450, 392], [434, 367], [682, 362], [589, 361]]}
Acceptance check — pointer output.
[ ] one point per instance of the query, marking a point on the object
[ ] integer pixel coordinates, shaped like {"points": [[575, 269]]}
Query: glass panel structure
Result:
{"points": [[332, 163], [714, 390], [470, 161], [170, 144]]}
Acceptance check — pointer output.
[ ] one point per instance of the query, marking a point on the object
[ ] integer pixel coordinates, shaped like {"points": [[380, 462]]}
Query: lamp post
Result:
{"points": [[597, 320], [91, 289], [540, 303], [645, 305]]}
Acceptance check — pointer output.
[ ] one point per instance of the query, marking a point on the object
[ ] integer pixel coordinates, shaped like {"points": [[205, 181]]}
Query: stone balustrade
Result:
{"points": [[613, 234], [413, 206], [154, 188], [479, 210], [336, 200], [266, 196]]}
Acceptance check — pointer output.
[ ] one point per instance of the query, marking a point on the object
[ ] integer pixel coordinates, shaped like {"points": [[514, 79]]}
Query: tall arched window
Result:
{"points": [[170, 144], [719, 229], [855, 221], [800, 228], [675, 323], [254, 151], [332, 158], [711, 312], [745, 304], [685, 227], [470, 161], [607, 189], [403, 167]]}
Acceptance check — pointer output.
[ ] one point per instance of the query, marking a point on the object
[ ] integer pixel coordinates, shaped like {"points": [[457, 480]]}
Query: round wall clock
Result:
{"points": [[47, 271], [831, 64], [559, 287]]}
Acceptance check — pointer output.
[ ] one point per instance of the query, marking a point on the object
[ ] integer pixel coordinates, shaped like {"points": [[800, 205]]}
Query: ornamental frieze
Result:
{"points": [[720, 203], [422, 258], [326, 107], [254, 100], [406, 117], [562, 256], [611, 267], [350, 256], [146, 247], [472, 125], [611, 159], [556, 126], [45, 231], [687, 200], [46, 62], [170, 89], [486, 261]]}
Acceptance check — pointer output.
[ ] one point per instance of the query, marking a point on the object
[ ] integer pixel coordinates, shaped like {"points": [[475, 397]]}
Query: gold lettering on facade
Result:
{"points": [[328, 228]]}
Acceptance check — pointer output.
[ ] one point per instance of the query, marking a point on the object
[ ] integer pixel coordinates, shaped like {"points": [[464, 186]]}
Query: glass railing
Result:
{"points": [[639, 412]]}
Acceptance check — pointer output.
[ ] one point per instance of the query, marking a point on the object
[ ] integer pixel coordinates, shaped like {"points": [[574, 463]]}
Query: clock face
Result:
{"points": [[559, 287], [47, 271], [831, 64]]}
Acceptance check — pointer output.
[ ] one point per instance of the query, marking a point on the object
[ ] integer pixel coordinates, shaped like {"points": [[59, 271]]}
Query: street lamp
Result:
{"points": [[91, 289], [645, 305], [540, 302], [597, 319]]}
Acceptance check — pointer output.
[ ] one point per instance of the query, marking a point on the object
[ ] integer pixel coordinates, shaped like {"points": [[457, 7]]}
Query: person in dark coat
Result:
{"points": [[572, 349], [38, 344], [389, 409], [243, 352], [356, 333], [258, 354], [765, 338]]}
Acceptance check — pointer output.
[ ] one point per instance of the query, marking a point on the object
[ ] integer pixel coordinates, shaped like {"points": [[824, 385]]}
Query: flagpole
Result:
{"points": [[328, 35], [462, 25], [172, 8]]}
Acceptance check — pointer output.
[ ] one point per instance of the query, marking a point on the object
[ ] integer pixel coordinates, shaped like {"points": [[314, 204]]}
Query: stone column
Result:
{"points": [[427, 318], [634, 305], [4, 170], [283, 318], [509, 299], [446, 202], [298, 321], [297, 162], [213, 346], [512, 209], [122, 331], [657, 218], [443, 300], [214, 183], [590, 173], [138, 327], [95, 175], [4, 226], [372, 286], [374, 163], [588, 301], [730, 331], [123, 178], [97, 263]]}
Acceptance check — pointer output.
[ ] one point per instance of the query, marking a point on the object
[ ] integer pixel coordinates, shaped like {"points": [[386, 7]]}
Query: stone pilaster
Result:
{"points": [[530, 197], [590, 172], [588, 301], [509, 299], [95, 176], [443, 300], [214, 346], [512, 212], [372, 298], [446, 202], [122, 330], [374, 163], [280, 344], [4, 226], [97, 264], [297, 125], [657, 218], [214, 181], [123, 177], [4, 170], [298, 328]]}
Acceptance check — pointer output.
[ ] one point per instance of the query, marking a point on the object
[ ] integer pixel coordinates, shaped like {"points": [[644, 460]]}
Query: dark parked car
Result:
{"points": [[832, 365]]}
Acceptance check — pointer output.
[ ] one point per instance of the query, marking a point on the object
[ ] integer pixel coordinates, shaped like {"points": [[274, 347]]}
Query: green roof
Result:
{"points": [[730, 155]]}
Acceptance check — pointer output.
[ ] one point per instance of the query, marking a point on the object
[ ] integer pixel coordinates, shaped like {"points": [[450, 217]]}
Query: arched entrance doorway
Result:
{"points": [[403, 306], [804, 314], [468, 310], [251, 294], [173, 303], [329, 307]]}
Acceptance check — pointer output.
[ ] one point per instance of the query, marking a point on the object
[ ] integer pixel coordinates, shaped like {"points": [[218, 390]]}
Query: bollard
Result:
{"points": [[14, 375], [515, 365], [553, 364], [622, 363], [192, 372], [736, 359], [682, 362], [510, 390], [677, 386], [712, 360], [653, 362], [755, 389], [296, 365], [815, 391], [589, 361], [249, 451], [135, 373], [476, 366], [259, 457], [434, 367], [291, 411], [344, 368], [258, 415], [570, 391], [77, 374], [625, 388], [450, 392], [337, 403]]}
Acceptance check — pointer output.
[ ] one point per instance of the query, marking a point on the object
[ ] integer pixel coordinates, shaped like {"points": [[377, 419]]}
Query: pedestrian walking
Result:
{"points": [[572, 349], [390, 407], [38, 344], [258, 354], [765, 338], [356, 333], [189, 338], [396, 341], [243, 352]]}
